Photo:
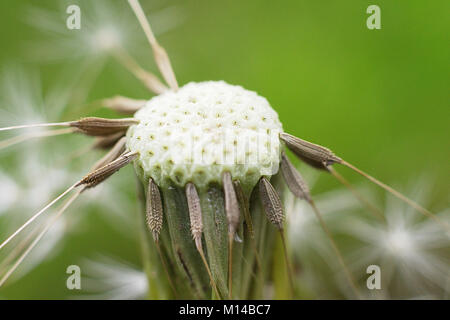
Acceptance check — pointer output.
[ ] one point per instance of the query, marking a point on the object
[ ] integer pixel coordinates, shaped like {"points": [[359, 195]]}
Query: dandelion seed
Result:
{"points": [[398, 195], [272, 203], [313, 154], [294, 180], [321, 157], [195, 214], [231, 204], [274, 211], [154, 210], [101, 174], [91, 180], [102, 127]]}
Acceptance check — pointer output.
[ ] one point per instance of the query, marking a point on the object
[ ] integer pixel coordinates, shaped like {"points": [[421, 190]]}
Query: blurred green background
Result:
{"points": [[378, 98]]}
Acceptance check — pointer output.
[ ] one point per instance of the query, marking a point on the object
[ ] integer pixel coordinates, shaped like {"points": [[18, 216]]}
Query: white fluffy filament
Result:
{"points": [[4, 243], [39, 237]]}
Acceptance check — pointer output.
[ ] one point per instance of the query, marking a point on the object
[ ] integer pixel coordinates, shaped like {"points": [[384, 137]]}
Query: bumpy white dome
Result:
{"points": [[202, 130]]}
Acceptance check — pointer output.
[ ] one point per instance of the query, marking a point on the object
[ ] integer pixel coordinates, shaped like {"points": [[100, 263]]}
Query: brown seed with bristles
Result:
{"points": [[195, 217], [274, 210], [154, 209], [293, 179], [93, 126], [195, 213], [94, 178], [313, 154], [231, 203], [271, 203]]}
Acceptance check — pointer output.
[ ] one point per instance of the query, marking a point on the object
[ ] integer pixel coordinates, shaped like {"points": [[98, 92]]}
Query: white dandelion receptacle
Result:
{"points": [[203, 130]]}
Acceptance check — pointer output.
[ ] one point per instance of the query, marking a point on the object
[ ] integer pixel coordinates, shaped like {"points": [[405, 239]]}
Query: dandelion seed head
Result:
{"points": [[203, 130]]}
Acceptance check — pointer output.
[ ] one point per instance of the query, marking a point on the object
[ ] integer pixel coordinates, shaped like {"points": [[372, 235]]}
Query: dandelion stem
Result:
{"points": [[101, 171]]}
